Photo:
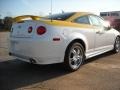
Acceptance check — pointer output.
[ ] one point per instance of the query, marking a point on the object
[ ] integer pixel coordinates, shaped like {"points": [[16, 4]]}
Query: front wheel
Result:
{"points": [[74, 56], [117, 45]]}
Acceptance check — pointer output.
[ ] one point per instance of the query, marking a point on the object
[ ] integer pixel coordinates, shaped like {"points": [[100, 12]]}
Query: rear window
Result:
{"points": [[63, 16]]}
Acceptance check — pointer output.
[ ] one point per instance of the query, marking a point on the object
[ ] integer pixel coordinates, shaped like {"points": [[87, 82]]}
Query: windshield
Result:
{"points": [[63, 16]]}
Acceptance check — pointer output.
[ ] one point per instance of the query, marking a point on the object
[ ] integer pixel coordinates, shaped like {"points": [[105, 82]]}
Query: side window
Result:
{"points": [[101, 20], [95, 21], [82, 20]]}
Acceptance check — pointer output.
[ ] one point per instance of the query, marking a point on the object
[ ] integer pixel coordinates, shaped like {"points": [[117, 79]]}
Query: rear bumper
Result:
{"points": [[38, 52], [37, 60], [27, 59]]}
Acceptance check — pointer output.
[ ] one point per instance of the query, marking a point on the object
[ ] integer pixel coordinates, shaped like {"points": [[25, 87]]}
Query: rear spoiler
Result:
{"points": [[22, 18]]}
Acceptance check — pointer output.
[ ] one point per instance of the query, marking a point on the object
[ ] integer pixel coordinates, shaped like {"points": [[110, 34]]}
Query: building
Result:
{"points": [[113, 17], [1, 23]]}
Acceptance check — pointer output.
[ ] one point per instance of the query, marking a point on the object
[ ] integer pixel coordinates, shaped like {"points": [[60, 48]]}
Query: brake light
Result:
{"points": [[30, 29], [41, 30]]}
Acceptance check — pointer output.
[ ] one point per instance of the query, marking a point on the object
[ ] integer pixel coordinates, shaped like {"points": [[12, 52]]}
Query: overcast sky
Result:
{"points": [[42, 7]]}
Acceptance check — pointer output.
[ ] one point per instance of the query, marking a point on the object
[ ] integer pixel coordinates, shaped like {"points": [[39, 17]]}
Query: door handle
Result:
{"points": [[99, 32]]}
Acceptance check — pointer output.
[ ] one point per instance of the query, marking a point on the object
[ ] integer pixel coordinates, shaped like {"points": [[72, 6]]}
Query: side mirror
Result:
{"points": [[107, 25]]}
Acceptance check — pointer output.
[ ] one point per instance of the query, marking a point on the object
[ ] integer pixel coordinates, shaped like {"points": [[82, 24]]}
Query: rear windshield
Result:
{"points": [[63, 16]]}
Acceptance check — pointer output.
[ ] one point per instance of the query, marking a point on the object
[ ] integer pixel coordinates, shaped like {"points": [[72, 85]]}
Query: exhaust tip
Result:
{"points": [[32, 61], [10, 54]]}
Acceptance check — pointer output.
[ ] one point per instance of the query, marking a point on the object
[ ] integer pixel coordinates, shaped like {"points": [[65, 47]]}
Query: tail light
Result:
{"points": [[41, 30], [30, 29]]}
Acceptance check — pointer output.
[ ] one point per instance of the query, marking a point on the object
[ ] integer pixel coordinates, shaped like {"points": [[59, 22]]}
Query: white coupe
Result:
{"points": [[67, 38]]}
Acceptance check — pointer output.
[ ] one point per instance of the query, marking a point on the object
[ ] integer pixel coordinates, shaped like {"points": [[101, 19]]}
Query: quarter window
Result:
{"points": [[82, 20]]}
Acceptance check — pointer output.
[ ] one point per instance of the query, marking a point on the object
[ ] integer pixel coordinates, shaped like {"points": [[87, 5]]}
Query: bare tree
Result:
{"points": [[8, 22]]}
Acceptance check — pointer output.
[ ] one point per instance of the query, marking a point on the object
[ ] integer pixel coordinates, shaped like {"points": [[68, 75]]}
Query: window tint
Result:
{"points": [[83, 20], [95, 21], [62, 16]]}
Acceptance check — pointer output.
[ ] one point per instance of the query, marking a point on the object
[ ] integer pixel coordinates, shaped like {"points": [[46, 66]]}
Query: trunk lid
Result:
{"points": [[20, 29]]}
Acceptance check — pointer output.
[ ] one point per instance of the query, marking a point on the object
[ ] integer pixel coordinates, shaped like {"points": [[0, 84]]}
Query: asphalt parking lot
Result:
{"points": [[98, 73]]}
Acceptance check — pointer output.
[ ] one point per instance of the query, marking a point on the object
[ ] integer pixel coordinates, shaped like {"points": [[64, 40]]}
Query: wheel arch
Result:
{"points": [[76, 40], [118, 36], [66, 53]]}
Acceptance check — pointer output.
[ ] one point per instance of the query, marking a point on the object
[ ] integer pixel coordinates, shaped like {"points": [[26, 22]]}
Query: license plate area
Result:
{"points": [[15, 46]]}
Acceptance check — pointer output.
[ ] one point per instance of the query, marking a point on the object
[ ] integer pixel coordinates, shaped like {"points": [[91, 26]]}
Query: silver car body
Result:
{"points": [[44, 49]]}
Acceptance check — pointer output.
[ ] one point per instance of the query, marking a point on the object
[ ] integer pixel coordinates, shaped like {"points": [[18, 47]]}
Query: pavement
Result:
{"points": [[98, 73]]}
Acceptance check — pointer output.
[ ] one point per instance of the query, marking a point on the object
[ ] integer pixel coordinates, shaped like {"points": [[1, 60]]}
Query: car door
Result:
{"points": [[88, 31], [103, 38]]}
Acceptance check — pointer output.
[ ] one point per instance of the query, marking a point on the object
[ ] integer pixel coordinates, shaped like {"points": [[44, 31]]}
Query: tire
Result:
{"points": [[74, 56], [117, 45]]}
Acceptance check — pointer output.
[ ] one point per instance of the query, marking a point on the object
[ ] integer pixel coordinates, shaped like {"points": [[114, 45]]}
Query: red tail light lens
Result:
{"points": [[41, 30], [30, 29]]}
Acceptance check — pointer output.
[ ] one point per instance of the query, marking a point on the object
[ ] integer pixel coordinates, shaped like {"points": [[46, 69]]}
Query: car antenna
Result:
{"points": [[51, 9]]}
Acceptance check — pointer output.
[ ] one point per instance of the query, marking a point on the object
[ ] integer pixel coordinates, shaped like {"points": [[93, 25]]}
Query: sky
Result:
{"points": [[42, 7]]}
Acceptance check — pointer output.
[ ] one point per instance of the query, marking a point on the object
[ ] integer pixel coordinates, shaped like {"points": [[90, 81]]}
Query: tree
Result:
{"points": [[8, 22], [1, 24]]}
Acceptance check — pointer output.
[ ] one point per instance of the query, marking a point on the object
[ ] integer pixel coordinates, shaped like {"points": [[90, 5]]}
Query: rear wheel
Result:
{"points": [[74, 56], [117, 45]]}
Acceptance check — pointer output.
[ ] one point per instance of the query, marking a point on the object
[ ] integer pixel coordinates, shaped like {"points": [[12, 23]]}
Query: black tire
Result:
{"points": [[74, 59], [116, 45]]}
